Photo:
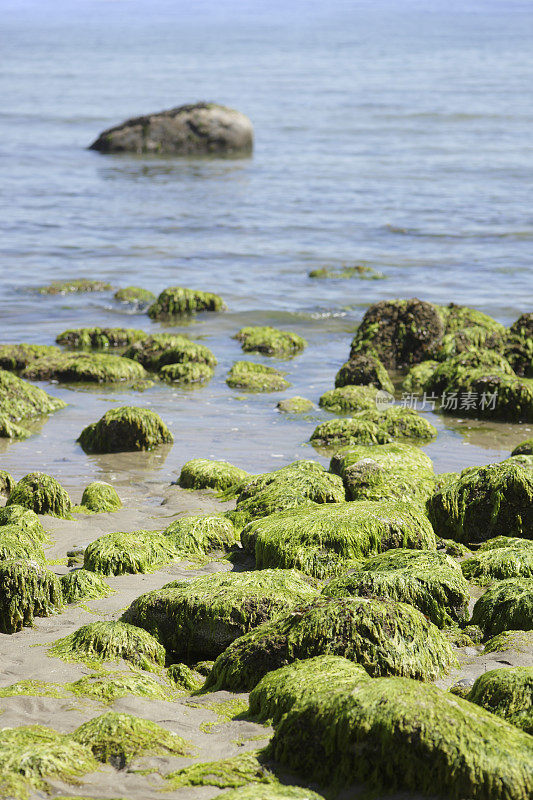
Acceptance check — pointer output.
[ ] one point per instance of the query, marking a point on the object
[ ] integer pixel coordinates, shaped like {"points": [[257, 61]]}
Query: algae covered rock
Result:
{"points": [[27, 590], [397, 471], [522, 641], [23, 518], [280, 690], [271, 791], [524, 448], [500, 562], [19, 401], [124, 429], [346, 271], [110, 641], [183, 677], [399, 332], [119, 738], [348, 399], [18, 543], [355, 430], [15, 357], [192, 129], [328, 540], [162, 349], [201, 534], [177, 301], [80, 584], [189, 373], [201, 617], [42, 494], [428, 580], [132, 552], [7, 483], [100, 497], [507, 606], [135, 296], [99, 338], [246, 770], [364, 370], [270, 341], [203, 473], [74, 286], [418, 376], [301, 483], [252, 377], [295, 405], [385, 637], [483, 502], [84, 368], [401, 726], [107, 687], [507, 692]]}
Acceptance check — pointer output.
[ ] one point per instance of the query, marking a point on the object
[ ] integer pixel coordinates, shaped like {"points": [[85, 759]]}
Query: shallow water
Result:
{"points": [[387, 134]]}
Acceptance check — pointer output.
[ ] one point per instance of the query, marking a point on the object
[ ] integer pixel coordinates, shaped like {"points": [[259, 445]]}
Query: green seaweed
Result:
{"points": [[204, 473], [522, 641], [506, 606], [295, 405], [524, 448], [177, 301], [27, 590], [186, 373], [346, 399], [229, 773], [23, 518], [17, 543], [19, 400], [99, 338], [15, 357], [500, 562], [183, 677], [132, 552], [163, 349], [115, 685], [125, 429], [85, 368], [199, 535], [74, 286], [80, 584], [271, 791], [135, 295], [507, 692], [418, 376], [42, 494], [270, 341], [364, 370], [100, 497], [110, 641], [347, 271], [250, 377]]}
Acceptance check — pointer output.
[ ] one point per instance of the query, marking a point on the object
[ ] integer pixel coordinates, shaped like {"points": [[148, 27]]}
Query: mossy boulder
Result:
{"points": [[25, 519], [385, 637], [85, 368], [33, 758], [18, 543], [42, 494], [522, 641], [117, 739], [7, 482], [428, 580], [525, 448], [399, 332], [101, 497], [19, 401], [203, 473], [280, 690], [196, 536], [364, 370], [186, 374], [295, 405], [99, 338], [483, 502], [507, 606], [201, 617], [328, 540], [177, 301], [132, 552], [80, 584], [500, 562], [15, 357], [110, 641], [125, 429], [347, 399], [250, 377], [135, 296], [397, 471], [27, 590], [162, 349], [412, 736], [301, 483], [74, 286], [507, 692], [458, 318], [372, 426], [270, 341]]}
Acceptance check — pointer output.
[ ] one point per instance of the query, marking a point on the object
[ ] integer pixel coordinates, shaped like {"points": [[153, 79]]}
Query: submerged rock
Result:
{"points": [[484, 501], [428, 580], [271, 791], [507, 606], [203, 473], [7, 483], [15, 357], [75, 286], [507, 693], [295, 405], [27, 590], [385, 637], [328, 540], [357, 271], [402, 726], [252, 377], [346, 399], [162, 349], [85, 368], [80, 584], [101, 497], [132, 552], [364, 370], [19, 401], [42, 494], [201, 617], [177, 301], [186, 373], [110, 641], [194, 129], [270, 341], [100, 338], [135, 296], [125, 429]]}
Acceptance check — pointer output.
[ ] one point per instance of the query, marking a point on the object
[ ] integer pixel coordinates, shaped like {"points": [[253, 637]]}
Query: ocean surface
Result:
{"points": [[391, 134]]}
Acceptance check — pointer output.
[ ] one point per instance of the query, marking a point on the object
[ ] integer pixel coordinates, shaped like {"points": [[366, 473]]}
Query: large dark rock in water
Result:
{"points": [[201, 128]]}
